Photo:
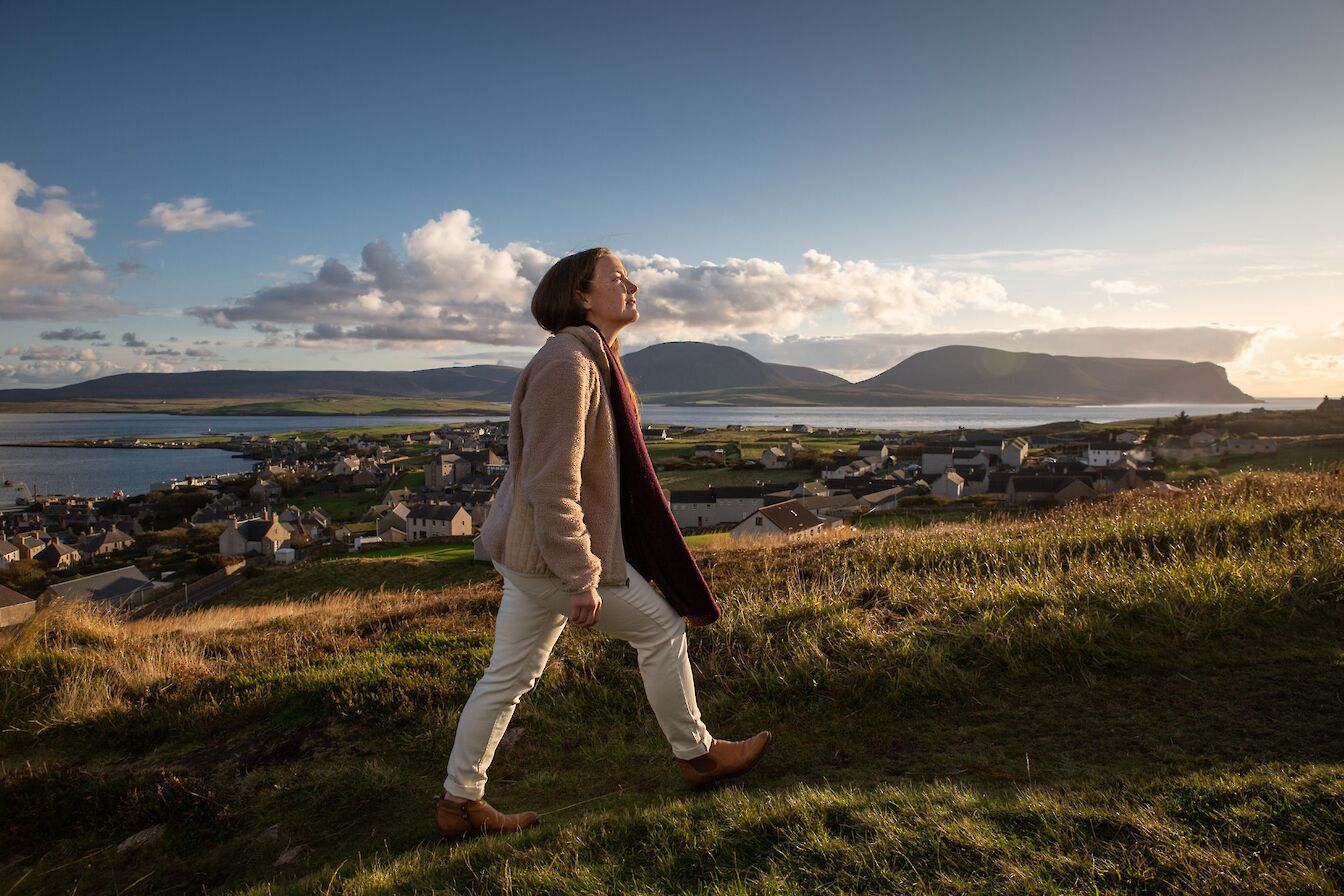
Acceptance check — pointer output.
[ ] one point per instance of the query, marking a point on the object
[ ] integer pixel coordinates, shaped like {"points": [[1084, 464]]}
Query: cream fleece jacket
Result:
{"points": [[558, 508]]}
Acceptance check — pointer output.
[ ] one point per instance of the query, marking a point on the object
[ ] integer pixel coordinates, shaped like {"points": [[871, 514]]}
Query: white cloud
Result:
{"points": [[48, 369], [307, 261], [142, 244], [45, 271], [1317, 363], [1049, 261], [42, 353], [193, 213], [1124, 287], [706, 300], [1273, 273], [453, 286]]}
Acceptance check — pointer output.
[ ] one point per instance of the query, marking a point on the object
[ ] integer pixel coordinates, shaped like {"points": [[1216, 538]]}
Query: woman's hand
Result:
{"points": [[585, 608]]}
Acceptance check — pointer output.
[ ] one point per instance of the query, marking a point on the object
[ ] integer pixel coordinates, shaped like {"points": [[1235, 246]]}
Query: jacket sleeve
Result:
{"points": [[554, 417]]}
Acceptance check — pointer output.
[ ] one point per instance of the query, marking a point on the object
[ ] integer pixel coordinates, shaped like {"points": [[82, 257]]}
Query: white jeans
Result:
{"points": [[531, 616]]}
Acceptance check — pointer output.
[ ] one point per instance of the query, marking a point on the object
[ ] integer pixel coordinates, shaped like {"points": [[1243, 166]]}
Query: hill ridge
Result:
{"points": [[699, 372]]}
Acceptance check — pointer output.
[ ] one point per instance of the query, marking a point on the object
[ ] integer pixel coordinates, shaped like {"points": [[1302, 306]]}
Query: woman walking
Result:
{"points": [[578, 530]]}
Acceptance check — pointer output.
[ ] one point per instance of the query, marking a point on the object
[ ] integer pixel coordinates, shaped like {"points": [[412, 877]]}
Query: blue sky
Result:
{"points": [[343, 186]]}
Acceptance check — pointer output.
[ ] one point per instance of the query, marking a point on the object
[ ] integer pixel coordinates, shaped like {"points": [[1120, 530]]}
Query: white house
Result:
{"points": [[703, 508], [948, 485], [1104, 454], [774, 458], [1250, 445], [788, 520], [935, 458], [970, 457], [874, 451], [1014, 451]]}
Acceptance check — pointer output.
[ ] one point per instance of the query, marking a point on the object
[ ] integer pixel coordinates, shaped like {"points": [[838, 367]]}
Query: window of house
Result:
{"points": [[759, 521]]}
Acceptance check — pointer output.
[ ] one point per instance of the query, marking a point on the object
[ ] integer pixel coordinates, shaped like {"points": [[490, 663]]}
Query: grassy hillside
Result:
{"points": [[1144, 694]]}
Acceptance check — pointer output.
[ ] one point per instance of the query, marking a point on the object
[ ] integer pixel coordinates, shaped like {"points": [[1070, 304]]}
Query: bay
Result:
{"points": [[930, 419], [102, 471]]}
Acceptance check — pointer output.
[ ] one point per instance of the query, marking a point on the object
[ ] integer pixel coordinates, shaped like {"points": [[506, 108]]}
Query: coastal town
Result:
{"points": [[187, 541]]}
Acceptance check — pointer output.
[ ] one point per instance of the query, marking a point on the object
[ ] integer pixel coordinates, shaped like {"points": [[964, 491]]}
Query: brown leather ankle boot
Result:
{"points": [[725, 759], [470, 818]]}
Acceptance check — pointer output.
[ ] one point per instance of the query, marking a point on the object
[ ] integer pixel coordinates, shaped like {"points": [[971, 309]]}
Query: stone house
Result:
{"points": [[265, 491], [393, 527], [346, 465], [98, 543], [263, 535], [8, 554], [425, 521], [29, 543], [58, 555]]}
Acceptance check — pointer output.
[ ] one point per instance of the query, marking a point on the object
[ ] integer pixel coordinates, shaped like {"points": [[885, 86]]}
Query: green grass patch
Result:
{"points": [[1135, 695]]}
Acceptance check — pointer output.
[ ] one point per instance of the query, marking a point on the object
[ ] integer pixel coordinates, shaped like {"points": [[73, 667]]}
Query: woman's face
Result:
{"points": [[610, 297]]}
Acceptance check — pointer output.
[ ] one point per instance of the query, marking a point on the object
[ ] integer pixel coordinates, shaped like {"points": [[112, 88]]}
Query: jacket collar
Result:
{"points": [[592, 341]]}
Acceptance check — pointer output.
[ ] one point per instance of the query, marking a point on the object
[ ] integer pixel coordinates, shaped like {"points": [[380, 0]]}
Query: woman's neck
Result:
{"points": [[609, 338]]}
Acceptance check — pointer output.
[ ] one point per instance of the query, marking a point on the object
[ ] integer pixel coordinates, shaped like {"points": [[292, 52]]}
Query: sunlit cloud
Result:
{"points": [[193, 213], [45, 271], [449, 285]]}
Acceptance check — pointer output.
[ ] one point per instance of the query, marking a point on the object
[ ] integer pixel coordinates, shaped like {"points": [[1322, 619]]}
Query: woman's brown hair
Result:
{"points": [[556, 303]]}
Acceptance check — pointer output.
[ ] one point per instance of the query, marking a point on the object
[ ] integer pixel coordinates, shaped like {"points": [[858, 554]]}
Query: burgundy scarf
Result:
{"points": [[653, 542]]}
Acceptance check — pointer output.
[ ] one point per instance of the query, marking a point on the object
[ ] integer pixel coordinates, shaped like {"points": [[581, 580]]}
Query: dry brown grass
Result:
{"points": [[110, 664]]}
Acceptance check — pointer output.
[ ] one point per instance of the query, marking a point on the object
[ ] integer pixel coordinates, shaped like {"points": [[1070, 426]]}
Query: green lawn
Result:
{"points": [[345, 507], [454, 552], [1308, 453]]}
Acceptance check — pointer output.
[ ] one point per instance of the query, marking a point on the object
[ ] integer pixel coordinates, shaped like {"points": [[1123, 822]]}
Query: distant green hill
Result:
{"points": [[681, 367], [972, 369], [690, 373]]}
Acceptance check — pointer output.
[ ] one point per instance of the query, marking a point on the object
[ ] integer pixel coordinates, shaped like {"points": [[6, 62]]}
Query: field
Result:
{"points": [[1139, 695]]}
